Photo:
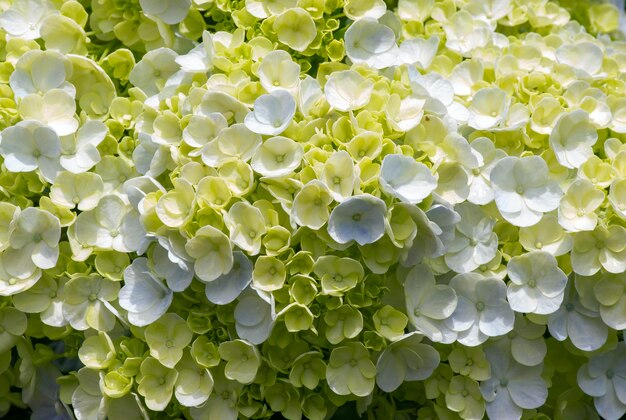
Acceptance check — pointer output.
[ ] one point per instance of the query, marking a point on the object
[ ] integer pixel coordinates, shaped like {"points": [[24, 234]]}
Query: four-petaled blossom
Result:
{"points": [[360, 218], [37, 233], [272, 113], [537, 283], [406, 179], [473, 242], [482, 309], [524, 190], [144, 296], [512, 386], [31, 145], [604, 378]]}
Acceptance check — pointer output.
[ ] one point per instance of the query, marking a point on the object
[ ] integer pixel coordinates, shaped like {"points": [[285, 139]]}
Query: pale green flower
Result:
{"points": [[350, 370], [167, 337]]}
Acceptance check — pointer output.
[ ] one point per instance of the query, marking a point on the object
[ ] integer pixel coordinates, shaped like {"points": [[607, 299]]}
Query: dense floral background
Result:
{"points": [[217, 209]]}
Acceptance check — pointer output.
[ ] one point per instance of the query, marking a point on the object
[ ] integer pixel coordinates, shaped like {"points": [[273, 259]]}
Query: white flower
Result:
{"points": [[370, 42], [200, 58], [227, 287], [474, 242], [578, 205], [464, 33], [524, 190], [310, 95], [347, 90], [236, 142], [482, 309], [255, 315], [143, 295], [278, 71], [24, 18], [263, 9], [582, 326], [212, 252], [572, 139], [481, 191], [583, 57], [272, 113], [604, 378], [419, 51], [155, 67], [56, 109], [359, 9], [172, 262], [37, 233], [406, 359], [150, 158], [406, 179], [512, 386], [169, 11], [489, 108], [277, 156], [30, 145], [537, 283], [113, 224], [79, 152], [438, 94], [406, 113], [39, 72], [360, 218], [465, 76], [428, 304]]}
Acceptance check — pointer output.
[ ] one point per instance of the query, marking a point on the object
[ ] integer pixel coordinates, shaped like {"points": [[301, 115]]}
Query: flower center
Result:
{"points": [[599, 244], [37, 237], [610, 373], [354, 362], [504, 382], [92, 297], [252, 234], [480, 306], [169, 344], [336, 180], [519, 190], [580, 213], [356, 217], [317, 201], [538, 245], [532, 283]]}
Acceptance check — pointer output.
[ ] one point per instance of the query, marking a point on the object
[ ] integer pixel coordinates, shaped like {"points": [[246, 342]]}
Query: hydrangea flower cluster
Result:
{"points": [[216, 209]]}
